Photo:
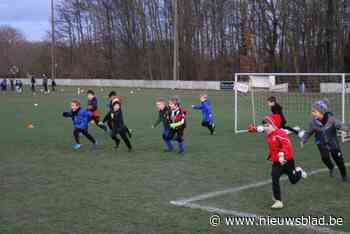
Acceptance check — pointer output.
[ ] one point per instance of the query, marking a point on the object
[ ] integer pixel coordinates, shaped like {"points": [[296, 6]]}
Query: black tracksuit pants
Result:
{"points": [[123, 133], [337, 156], [278, 170], [85, 132], [208, 125]]}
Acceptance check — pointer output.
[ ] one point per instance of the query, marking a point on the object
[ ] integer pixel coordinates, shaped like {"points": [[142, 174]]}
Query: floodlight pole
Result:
{"points": [[176, 42], [53, 60]]}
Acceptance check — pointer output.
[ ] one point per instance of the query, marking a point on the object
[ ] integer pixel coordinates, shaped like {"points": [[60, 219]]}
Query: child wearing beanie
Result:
{"points": [[325, 126]]}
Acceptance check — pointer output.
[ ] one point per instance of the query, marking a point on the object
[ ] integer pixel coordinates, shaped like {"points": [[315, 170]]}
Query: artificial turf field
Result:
{"points": [[47, 187]]}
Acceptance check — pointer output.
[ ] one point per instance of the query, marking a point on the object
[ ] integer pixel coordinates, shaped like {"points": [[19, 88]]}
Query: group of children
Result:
{"points": [[114, 119], [173, 115], [170, 113], [323, 125]]}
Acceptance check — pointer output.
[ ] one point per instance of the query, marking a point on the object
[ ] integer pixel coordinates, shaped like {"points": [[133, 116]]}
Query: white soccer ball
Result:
{"points": [[131, 92], [36, 104], [260, 128], [301, 134]]}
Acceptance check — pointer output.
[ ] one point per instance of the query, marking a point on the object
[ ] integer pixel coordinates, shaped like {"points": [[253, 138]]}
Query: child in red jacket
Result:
{"points": [[281, 155]]}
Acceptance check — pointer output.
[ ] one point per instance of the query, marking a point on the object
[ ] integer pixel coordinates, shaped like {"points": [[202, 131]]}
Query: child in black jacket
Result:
{"points": [[277, 109], [118, 126]]}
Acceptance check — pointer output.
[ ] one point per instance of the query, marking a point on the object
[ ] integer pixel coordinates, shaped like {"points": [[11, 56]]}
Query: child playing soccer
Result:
{"points": [[93, 109], [324, 125], [112, 96], [207, 115], [281, 155], [119, 127], [163, 117], [276, 108], [80, 118], [177, 123]]}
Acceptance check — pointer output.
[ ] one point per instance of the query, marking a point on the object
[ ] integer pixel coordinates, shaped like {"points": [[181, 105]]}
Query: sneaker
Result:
{"points": [[277, 205], [212, 132], [303, 173], [130, 133], [76, 146]]}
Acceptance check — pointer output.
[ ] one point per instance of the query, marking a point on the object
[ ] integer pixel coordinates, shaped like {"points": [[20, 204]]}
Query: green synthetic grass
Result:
{"points": [[46, 187]]}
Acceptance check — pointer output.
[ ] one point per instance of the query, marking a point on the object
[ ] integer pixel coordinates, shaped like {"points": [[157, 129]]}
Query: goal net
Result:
{"points": [[294, 91]]}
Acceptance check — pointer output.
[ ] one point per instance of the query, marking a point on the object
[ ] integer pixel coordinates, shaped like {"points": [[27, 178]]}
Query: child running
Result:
{"points": [[177, 123], [80, 118], [112, 96], [119, 127], [207, 114], [164, 117], [281, 155], [93, 109], [324, 125], [276, 108]]}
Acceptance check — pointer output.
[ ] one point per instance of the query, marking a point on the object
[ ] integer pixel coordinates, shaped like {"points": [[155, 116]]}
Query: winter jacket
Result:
{"points": [[80, 118], [278, 141], [205, 107], [325, 131]]}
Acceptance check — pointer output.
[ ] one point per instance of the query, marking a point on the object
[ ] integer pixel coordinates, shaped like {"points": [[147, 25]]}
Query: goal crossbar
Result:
{"points": [[237, 75]]}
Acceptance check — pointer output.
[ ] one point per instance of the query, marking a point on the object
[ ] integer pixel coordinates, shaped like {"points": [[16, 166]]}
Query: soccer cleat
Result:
{"points": [[130, 133], [303, 173], [212, 131], [76, 146], [277, 205], [297, 128]]}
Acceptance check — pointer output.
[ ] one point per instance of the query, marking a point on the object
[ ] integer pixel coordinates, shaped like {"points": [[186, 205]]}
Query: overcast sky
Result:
{"points": [[32, 17]]}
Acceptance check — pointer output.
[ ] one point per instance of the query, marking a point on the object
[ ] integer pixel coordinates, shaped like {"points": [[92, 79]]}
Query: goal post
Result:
{"points": [[294, 91]]}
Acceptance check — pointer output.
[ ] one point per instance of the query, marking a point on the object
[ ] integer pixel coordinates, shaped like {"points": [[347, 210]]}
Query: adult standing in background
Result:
{"points": [[46, 90], [53, 85]]}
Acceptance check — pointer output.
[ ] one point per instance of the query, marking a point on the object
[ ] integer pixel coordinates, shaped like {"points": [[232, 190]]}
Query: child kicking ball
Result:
{"points": [[281, 156], [207, 114], [80, 118], [325, 126]]}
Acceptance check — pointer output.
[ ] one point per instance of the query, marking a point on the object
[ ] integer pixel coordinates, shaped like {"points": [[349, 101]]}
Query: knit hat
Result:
{"points": [[115, 101], [321, 105], [273, 119]]}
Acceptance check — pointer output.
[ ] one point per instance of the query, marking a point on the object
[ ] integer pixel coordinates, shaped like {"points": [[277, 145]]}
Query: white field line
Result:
{"points": [[240, 188], [187, 202], [215, 210]]}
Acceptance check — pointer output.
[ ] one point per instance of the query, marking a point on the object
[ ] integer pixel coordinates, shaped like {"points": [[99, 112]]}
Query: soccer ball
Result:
{"points": [[301, 134], [260, 128], [131, 92]]}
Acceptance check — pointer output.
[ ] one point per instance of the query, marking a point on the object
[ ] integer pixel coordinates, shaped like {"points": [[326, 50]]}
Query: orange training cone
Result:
{"points": [[30, 126]]}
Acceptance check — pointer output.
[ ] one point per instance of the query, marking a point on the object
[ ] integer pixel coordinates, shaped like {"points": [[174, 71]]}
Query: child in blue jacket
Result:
{"points": [[80, 118], [207, 114]]}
